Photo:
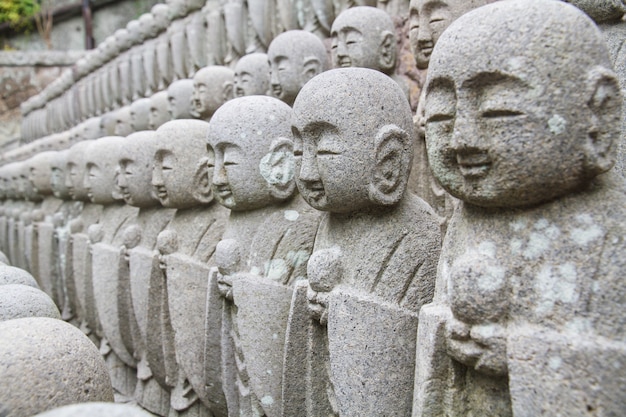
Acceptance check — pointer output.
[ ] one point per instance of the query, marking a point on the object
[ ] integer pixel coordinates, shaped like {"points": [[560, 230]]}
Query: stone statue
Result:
{"points": [[252, 75], [179, 99], [76, 257], [108, 123], [186, 252], [268, 239], [364, 37], [375, 251], [137, 35], [212, 87], [159, 113], [150, 30], [123, 125], [526, 315], [178, 42], [124, 42], [140, 114], [427, 20], [101, 159], [295, 57]]}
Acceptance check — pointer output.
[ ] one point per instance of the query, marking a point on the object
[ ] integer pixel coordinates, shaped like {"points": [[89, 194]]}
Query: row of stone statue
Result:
{"points": [[171, 43], [270, 261]]}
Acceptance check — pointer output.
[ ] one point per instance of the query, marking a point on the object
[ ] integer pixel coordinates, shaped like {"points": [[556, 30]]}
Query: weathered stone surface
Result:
{"points": [[526, 318], [20, 301], [97, 409], [13, 275], [46, 363], [295, 57]]}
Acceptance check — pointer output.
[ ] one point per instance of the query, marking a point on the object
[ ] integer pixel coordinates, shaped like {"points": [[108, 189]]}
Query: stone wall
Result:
{"points": [[22, 75]]}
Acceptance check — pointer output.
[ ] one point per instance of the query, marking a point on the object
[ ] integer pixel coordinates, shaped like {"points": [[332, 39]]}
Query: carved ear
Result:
{"points": [[277, 167], [387, 52], [391, 166], [228, 91], [605, 104], [312, 67], [202, 191]]}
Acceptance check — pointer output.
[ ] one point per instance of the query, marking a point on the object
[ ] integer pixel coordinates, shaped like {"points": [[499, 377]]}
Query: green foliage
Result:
{"points": [[17, 12]]}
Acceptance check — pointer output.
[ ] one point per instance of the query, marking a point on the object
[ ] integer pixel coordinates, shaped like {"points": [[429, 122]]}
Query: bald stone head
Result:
{"points": [[123, 126], [58, 166], [160, 12], [41, 171], [134, 32], [522, 106], [140, 114], [136, 158], [428, 20], [212, 87], [295, 57], [180, 176], [353, 133], [251, 157], [364, 37], [122, 39], [252, 75], [29, 192], [158, 110], [148, 26], [76, 169], [179, 99], [101, 159]]}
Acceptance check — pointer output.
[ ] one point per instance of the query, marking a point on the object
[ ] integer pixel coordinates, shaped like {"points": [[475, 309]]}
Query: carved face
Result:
{"points": [[57, 179], [99, 181], [331, 162], [286, 77], [428, 19], [252, 75], [133, 181], [179, 99], [237, 181], [502, 131]]}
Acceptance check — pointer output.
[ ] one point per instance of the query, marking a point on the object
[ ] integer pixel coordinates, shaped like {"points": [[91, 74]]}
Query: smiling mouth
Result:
{"points": [[277, 90], [473, 165], [315, 191], [345, 63], [161, 193], [224, 193]]}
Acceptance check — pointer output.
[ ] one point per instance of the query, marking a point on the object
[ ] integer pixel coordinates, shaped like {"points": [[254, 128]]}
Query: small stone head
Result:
{"points": [[160, 12], [108, 123], [180, 176], [122, 39], [364, 37], [158, 110], [179, 99], [76, 169], [140, 114], [135, 169], [177, 8], [212, 87], [26, 187], [251, 158], [148, 26], [101, 159], [252, 75], [353, 140], [522, 106], [41, 171], [58, 165], [295, 57], [428, 20], [134, 32], [122, 122]]}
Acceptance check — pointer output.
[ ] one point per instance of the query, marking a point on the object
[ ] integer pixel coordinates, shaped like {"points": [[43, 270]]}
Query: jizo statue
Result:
{"points": [[158, 110], [252, 75], [376, 249], [527, 310], [179, 103], [212, 87], [295, 57]]}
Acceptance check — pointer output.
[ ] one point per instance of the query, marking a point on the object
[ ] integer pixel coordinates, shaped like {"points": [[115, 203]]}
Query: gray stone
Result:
{"points": [[140, 114], [97, 409], [295, 57], [158, 110], [519, 324], [12, 275], [267, 241], [364, 37], [212, 87], [20, 301], [46, 363], [179, 99], [252, 75], [185, 250], [375, 250]]}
